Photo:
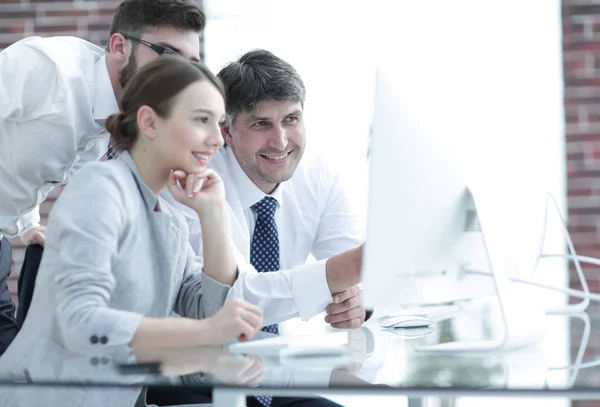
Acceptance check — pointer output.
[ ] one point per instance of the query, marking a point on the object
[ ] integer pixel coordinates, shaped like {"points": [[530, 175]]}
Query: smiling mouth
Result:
{"points": [[277, 157], [202, 156]]}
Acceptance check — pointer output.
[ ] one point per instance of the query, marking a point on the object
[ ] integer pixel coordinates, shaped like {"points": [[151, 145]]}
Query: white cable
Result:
{"points": [[576, 260], [567, 291], [583, 259]]}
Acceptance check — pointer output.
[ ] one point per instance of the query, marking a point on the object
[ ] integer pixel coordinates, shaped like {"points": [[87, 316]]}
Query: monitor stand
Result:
{"points": [[523, 322]]}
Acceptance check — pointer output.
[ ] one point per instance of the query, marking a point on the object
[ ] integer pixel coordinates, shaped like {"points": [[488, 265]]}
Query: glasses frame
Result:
{"points": [[159, 49]]}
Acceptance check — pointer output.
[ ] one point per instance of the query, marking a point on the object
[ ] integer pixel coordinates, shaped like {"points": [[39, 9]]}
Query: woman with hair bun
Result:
{"points": [[117, 261]]}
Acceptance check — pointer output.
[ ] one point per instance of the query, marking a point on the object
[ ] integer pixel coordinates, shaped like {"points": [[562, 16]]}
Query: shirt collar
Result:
{"points": [[150, 198], [105, 102], [248, 192]]}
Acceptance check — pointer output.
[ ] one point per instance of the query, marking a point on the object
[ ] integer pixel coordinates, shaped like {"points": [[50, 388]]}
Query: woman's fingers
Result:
{"points": [[255, 320], [247, 330]]}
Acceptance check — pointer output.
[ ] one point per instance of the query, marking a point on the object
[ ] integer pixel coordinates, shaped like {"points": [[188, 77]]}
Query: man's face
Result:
{"points": [[185, 43], [268, 142]]}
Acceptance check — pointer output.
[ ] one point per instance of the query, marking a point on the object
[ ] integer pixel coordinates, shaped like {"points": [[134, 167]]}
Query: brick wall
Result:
{"points": [[581, 46], [82, 18], [581, 55]]}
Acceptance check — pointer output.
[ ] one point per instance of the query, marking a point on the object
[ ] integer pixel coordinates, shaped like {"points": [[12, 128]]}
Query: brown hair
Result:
{"points": [[257, 76], [155, 85], [136, 17]]}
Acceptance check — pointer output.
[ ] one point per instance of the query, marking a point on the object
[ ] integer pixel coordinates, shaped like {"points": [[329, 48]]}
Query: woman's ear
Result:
{"points": [[147, 121]]}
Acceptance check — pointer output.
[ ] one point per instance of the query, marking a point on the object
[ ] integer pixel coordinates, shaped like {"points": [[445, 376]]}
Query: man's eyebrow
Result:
{"points": [[170, 46], [252, 118], [175, 49], [297, 112]]}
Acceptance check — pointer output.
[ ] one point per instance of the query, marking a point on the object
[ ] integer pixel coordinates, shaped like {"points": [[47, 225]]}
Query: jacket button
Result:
{"points": [[94, 339], [104, 340], [94, 361]]}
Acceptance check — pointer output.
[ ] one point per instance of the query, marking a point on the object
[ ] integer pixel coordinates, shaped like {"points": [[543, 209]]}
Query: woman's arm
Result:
{"points": [[205, 194], [219, 260], [235, 318], [84, 229]]}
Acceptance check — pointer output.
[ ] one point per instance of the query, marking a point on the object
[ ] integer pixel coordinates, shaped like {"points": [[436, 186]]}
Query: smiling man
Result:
{"points": [[56, 94], [286, 207]]}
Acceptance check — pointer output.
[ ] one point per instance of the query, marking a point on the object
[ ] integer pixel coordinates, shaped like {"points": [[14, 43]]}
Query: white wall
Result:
{"points": [[335, 45]]}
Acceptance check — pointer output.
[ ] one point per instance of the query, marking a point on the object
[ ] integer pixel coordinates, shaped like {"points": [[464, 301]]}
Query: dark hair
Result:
{"points": [[136, 17], [155, 85], [256, 77]]}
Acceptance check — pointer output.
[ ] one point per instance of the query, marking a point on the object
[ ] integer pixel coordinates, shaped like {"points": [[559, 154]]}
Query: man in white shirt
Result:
{"points": [[56, 93], [265, 139]]}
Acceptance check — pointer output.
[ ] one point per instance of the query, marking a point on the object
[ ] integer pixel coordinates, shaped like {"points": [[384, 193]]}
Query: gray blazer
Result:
{"points": [[110, 258]]}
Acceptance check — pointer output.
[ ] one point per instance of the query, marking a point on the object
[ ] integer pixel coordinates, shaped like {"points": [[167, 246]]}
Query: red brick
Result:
{"points": [[67, 13], [107, 10], [12, 28], [45, 28], [16, 15]]}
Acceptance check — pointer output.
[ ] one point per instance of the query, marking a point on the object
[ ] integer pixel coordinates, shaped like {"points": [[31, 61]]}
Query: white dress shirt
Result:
{"points": [[54, 96], [313, 216]]}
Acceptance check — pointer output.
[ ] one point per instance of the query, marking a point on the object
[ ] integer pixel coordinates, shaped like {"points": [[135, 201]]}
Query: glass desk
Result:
{"points": [[378, 362]]}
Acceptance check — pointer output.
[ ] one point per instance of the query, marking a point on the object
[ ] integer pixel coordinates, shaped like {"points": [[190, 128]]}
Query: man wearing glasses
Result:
{"points": [[56, 93]]}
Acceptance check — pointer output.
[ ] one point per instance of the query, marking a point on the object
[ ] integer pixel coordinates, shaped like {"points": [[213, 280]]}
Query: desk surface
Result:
{"points": [[378, 361]]}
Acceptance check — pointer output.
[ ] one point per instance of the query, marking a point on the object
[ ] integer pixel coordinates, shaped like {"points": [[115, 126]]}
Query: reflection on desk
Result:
{"points": [[378, 361]]}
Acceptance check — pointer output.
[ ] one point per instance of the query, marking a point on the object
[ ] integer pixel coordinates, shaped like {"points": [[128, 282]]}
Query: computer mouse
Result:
{"points": [[406, 321]]}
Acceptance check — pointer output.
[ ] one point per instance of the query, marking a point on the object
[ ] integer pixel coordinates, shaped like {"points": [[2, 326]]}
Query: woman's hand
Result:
{"points": [[200, 191], [236, 318]]}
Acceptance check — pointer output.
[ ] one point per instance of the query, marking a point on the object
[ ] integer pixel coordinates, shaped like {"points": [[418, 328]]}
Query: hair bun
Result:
{"points": [[122, 131], [113, 123]]}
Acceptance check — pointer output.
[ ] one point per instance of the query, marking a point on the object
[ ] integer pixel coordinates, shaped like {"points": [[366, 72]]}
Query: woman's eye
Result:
{"points": [[202, 119]]}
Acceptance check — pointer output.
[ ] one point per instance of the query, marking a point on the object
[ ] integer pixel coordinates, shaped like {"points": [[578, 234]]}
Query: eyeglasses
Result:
{"points": [[159, 49]]}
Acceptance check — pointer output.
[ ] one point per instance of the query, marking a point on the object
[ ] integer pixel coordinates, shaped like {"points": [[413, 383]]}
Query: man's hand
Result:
{"points": [[343, 270], [347, 310], [36, 235]]}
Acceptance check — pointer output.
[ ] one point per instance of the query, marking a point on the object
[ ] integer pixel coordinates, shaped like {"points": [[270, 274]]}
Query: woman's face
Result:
{"points": [[191, 135]]}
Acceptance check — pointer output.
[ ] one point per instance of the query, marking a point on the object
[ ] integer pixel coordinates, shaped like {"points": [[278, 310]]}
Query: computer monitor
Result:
{"points": [[449, 192]]}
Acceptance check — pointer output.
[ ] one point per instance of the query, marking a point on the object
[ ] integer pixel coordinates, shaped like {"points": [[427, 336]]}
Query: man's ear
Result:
{"points": [[146, 121], [226, 134], [119, 46]]}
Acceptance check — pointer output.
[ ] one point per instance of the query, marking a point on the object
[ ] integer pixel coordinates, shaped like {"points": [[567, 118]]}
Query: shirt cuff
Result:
{"points": [[28, 221], [310, 289], [124, 327]]}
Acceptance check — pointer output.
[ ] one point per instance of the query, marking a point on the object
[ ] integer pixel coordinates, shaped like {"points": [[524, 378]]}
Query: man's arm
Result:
{"points": [[29, 82], [340, 238], [339, 226]]}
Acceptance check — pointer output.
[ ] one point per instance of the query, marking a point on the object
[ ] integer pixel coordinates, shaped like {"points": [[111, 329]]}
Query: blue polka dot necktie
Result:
{"points": [[264, 253], [264, 250]]}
